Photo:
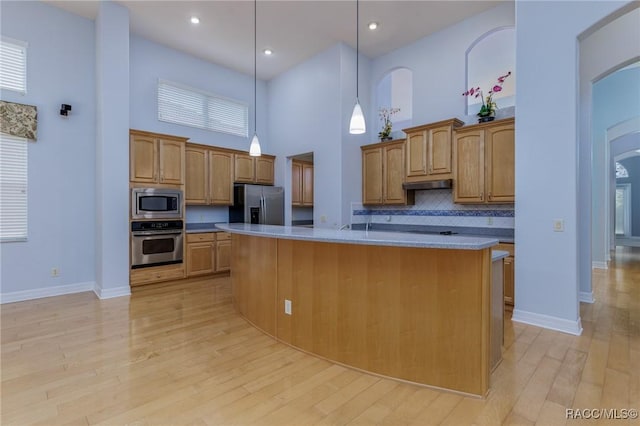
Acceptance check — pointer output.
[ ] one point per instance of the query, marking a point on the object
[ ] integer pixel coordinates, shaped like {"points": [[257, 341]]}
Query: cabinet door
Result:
{"points": [[143, 157], [500, 158], [439, 151], [244, 169], [307, 185], [223, 256], [393, 172], [417, 154], [171, 162], [196, 176], [372, 176], [509, 290], [469, 175], [264, 170], [220, 178], [296, 184], [200, 260]]}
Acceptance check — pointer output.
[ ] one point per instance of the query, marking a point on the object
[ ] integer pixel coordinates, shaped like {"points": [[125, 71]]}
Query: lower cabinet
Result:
{"points": [[509, 273], [156, 274], [207, 253]]}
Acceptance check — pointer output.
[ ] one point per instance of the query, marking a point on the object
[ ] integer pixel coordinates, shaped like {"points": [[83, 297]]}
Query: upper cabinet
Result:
{"points": [[301, 183], [254, 169], [429, 151], [209, 176], [156, 158], [485, 163], [383, 173]]}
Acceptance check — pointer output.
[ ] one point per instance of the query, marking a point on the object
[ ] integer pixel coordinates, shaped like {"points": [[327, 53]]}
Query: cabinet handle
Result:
{"points": [[482, 196], [489, 195]]}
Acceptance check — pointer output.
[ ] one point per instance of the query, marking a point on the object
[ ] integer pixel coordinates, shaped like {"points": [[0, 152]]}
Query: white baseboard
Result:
{"points": [[546, 321], [599, 265], [586, 297], [19, 296], [109, 293]]}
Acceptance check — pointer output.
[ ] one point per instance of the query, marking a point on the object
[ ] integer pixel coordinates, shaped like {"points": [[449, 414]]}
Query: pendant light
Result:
{"points": [[357, 125], [254, 148]]}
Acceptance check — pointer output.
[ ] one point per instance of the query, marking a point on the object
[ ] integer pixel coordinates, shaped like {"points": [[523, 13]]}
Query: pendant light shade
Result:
{"points": [[357, 125], [254, 148]]}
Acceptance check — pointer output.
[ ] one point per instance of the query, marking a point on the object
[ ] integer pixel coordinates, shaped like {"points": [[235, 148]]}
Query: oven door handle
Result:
{"points": [[151, 233]]}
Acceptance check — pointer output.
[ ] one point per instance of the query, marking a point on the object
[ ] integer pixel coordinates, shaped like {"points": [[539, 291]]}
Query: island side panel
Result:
{"points": [[254, 278], [410, 313]]}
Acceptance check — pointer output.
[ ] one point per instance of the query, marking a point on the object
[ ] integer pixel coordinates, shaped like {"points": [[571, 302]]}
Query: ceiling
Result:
{"points": [[295, 30]]}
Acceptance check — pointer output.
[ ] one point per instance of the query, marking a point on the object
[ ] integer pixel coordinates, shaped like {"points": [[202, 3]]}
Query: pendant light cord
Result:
{"points": [[357, 48], [255, 66]]}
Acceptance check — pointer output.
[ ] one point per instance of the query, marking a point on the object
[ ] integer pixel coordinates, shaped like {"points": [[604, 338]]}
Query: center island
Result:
{"points": [[407, 306]]}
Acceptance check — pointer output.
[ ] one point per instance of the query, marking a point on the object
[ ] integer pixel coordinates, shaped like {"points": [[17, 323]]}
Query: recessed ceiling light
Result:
{"points": [[268, 52], [373, 25], [195, 20]]}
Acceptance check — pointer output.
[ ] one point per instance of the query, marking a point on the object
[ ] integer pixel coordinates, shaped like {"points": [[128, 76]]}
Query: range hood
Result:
{"points": [[434, 184]]}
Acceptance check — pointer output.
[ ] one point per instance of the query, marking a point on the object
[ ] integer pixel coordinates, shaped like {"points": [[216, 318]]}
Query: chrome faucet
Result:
{"points": [[343, 227]]}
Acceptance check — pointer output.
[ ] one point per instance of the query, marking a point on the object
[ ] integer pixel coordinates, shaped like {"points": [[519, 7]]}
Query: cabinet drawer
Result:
{"points": [[157, 274], [200, 237], [223, 236]]}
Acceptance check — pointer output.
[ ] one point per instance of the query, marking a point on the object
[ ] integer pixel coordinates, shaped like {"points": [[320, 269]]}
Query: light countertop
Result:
{"points": [[398, 239]]}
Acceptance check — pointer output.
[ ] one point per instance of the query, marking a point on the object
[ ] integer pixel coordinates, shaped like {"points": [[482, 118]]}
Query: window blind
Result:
{"points": [[13, 188], [13, 65], [190, 107]]}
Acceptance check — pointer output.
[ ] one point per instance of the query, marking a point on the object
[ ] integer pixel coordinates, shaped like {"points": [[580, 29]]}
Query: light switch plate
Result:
{"points": [[287, 306]]}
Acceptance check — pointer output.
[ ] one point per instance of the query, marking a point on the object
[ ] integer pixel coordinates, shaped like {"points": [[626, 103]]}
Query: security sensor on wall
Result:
{"points": [[64, 109]]}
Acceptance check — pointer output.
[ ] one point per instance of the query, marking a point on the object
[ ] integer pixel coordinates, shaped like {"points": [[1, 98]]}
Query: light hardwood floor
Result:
{"points": [[178, 354]]}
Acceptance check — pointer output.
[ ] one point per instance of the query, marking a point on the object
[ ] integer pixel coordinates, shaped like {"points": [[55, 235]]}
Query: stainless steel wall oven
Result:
{"points": [[155, 243]]}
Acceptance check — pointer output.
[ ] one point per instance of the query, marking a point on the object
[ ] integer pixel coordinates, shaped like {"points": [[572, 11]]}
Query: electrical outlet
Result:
{"points": [[287, 306], [55, 271], [323, 219], [489, 220], [558, 225]]}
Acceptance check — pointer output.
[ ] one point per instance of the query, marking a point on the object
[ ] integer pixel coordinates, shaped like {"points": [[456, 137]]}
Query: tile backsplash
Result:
{"points": [[436, 207]]}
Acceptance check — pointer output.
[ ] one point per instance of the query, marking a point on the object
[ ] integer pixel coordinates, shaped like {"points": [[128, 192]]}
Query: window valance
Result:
{"points": [[19, 120]]}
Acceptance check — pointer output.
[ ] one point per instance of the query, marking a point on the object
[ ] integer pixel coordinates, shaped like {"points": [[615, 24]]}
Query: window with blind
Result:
{"points": [[13, 188], [13, 65], [191, 107]]}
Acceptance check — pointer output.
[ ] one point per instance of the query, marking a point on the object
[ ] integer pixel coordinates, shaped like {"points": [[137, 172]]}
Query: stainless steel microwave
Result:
{"points": [[156, 203]]}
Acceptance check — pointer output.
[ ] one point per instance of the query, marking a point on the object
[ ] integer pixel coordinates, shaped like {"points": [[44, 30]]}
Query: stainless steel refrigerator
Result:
{"points": [[257, 204]]}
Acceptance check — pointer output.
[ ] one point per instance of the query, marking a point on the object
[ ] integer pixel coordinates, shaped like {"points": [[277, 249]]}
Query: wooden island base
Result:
{"points": [[415, 314]]}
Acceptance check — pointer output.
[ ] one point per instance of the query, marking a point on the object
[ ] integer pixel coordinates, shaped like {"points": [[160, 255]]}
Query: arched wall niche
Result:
{"points": [[395, 90], [491, 55]]}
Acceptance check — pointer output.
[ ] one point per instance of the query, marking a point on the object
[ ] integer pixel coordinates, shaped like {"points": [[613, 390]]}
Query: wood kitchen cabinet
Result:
{"points": [[223, 251], [383, 173], [156, 158], [209, 176], [301, 183], [429, 151], [485, 163], [258, 170], [200, 254], [509, 273], [208, 253]]}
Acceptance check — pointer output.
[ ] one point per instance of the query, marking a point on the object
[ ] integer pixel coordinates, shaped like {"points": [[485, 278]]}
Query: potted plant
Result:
{"points": [[385, 116], [488, 109]]}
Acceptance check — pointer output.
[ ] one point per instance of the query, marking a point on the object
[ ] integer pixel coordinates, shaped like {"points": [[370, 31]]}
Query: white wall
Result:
{"points": [[546, 159], [151, 61], [309, 111], [112, 147], [61, 200], [438, 65]]}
